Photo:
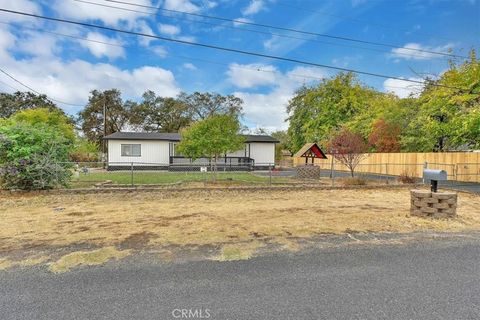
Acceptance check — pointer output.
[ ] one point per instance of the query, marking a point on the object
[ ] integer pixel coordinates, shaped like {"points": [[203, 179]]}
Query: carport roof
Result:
{"points": [[176, 137]]}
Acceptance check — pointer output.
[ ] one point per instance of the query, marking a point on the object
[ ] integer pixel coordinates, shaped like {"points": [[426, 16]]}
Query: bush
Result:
{"points": [[354, 181], [84, 151], [407, 177], [33, 157], [37, 173]]}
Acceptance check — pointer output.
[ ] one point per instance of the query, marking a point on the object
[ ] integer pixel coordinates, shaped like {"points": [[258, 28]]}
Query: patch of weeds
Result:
{"points": [[28, 262], [354, 181], [89, 258], [233, 252], [5, 263]]}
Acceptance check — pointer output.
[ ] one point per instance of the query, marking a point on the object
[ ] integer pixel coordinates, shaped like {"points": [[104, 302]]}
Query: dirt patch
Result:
{"points": [[137, 240], [215, 218]]}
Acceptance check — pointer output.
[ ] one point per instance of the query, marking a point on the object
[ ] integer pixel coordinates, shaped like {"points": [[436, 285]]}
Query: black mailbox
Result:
{"points": [[434, 176]]}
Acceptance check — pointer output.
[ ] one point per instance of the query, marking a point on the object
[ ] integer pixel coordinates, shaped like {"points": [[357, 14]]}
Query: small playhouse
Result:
{"points": [[310, 152]]}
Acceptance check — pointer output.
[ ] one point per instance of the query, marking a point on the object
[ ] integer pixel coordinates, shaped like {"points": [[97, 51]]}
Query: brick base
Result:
{"points": [[308, 172], [433, 204]]}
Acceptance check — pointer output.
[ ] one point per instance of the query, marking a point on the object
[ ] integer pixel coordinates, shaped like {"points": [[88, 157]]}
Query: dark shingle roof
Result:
{"points": [[175, 137], [143, 136]]}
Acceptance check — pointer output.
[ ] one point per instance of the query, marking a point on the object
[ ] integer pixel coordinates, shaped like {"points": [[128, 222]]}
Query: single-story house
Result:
{"points": [[157, 151]]}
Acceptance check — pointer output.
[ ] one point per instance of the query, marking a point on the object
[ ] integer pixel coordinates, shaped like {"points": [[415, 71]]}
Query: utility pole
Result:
{"points": [[104, 146]]}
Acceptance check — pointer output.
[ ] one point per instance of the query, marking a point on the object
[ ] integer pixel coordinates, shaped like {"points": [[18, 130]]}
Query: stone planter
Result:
{"points": [[308, 172], [433, 204]]}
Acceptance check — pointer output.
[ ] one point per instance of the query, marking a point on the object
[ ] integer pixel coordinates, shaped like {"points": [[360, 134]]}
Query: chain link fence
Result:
{"points": [[462, 176], [133, 174]]}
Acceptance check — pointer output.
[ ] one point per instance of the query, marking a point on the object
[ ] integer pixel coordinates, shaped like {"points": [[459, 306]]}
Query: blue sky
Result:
{"points": [[67, 68]]}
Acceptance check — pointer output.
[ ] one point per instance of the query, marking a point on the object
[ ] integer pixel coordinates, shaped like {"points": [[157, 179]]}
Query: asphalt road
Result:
{"points": [[426, 280]]}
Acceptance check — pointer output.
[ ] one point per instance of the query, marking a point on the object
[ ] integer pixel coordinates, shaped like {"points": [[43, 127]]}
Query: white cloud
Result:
{"points": [[99, 49], [267, 110], [403, 89], [189, 66], [142, 27], [71, 81], [38, 44], [18, 5], [251, 75], [242, 19], [358, 2], [109, 16], [160, 51], [254, 7], [181, 5], [405, 53], [168, 29]]}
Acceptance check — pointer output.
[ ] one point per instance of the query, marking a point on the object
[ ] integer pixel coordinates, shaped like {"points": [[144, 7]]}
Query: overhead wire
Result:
{"points": [[240, 67], [35, 91], [397, 53], [310, 33], [220, 48]]}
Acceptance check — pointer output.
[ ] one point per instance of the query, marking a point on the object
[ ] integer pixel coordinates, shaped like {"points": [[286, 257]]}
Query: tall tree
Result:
{"points": [[91, 117], [315, 112], [18, 101], [159, 114], [204, 105], [449, 111], [213, 137]]}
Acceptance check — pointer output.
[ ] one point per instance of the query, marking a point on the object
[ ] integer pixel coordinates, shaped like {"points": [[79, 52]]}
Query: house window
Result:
{"points": [[175, 150], [131, 150]]}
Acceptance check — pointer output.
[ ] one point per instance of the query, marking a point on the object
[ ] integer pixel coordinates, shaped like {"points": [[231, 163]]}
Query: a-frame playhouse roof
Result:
{"points": [[311, 150]]}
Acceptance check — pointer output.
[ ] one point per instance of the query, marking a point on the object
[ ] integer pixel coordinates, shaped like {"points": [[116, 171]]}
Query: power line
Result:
{"points": [[170, 55], [360, 21], [236, 21], [209, 46], [33, 90], [413, 54], [241, 67]]}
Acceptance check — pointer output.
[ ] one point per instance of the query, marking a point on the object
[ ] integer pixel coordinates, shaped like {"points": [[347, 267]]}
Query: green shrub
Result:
{"points": [[33, 157]]}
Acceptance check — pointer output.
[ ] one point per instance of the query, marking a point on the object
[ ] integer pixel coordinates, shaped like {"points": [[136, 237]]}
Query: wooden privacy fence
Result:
{"points": [[460, 166]]}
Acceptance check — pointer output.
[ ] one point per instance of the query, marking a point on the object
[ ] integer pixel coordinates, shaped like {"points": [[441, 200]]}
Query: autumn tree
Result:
{"points": [[348, 148], [213, 137], [385, 136]]}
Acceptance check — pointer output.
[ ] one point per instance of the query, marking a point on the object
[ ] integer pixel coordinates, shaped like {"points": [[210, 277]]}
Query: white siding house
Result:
{"points": [[157, 150]]}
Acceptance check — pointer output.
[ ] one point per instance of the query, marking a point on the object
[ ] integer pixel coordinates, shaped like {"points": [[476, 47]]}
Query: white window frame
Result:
{"points": [[124, 154]]}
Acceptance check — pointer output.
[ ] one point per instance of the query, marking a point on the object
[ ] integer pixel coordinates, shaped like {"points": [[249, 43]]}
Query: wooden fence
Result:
{"points": [[460, 166]]}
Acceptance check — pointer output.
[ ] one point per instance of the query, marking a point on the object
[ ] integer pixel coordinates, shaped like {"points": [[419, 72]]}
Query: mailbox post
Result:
{"points": [[434, 176]]}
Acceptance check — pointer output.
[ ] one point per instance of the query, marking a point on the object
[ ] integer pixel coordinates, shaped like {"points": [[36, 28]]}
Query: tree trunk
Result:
{"points": [[215, 169], [211, 168], [351, 172]]}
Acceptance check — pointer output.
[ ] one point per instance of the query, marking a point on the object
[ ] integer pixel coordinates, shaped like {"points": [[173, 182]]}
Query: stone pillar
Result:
{"points": [[433, 204]]}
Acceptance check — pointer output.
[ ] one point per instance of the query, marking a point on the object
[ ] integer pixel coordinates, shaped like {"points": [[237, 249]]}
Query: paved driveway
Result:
{"points": [[455, 185]]}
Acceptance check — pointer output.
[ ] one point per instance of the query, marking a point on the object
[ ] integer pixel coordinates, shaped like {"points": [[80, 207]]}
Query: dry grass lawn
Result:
{"points": [[220, 218]]}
